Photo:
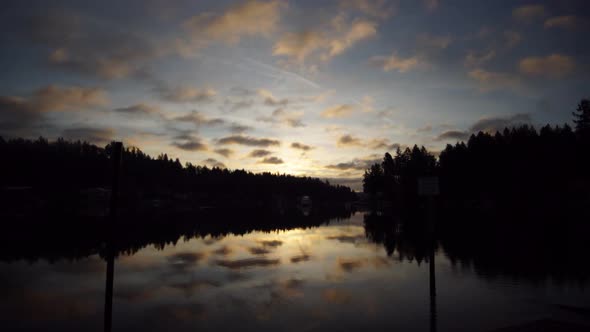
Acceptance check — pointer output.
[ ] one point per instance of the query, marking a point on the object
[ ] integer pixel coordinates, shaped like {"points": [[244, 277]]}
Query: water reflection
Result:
{"points": [[360, 272]]}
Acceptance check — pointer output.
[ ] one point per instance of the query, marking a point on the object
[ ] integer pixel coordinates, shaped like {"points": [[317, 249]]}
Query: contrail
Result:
{"points": [[285, 73]]}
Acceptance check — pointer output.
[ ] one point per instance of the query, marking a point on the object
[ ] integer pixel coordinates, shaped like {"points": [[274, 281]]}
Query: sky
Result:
{"points": [[314, 88]]}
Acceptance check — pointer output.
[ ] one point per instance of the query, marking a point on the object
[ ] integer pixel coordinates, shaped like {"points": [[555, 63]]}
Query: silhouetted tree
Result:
{"points": [[59, 170], [396, 177], [582, 117], [373, 180], [514, 167]]}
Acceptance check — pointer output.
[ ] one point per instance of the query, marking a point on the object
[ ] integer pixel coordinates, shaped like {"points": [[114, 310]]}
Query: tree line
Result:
{"points": [[62, 168], [517, 166]]}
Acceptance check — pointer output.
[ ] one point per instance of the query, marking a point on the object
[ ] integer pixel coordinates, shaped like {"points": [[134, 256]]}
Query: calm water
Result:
{"points": [[330, 277]]}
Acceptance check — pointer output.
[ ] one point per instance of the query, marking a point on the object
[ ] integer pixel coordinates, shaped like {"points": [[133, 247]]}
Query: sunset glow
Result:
{"points": [[314, 88]]}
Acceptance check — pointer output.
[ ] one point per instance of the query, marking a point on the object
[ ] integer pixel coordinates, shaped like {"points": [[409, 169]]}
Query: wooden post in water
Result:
{"points": [[117, 151], [428, 187], [432, 290]]}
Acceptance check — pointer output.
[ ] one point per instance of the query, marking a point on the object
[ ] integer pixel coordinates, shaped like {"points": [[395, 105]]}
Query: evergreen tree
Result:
{"points": [[373, 179], [582, 118]]}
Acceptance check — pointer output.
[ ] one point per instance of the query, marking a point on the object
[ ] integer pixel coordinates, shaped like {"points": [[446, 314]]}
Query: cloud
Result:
{"points": [[18, 112], [473, 59], [238, 128], [528, 13], [353, 165], [282, 116], [247, 263], [381, 9], [366, 104], [67, 98], [566, 22], [234, 106], [241, 91], [338, 111], [189, 143], [394, 62], [359, 30], [139, 109], [199, 119], [270, 99], [493, 124], [214, 163], [249, 141], [554, 65], [244, 19], [424, 129], [298, 45], [88, 134], [434, 42], [224, 152], [452, 135], [494, 80], [357, 164], [513, 38], [114, 65], [301, 146], [348, 140], [94, 47], [373, 144], [185, 94], [430, 5], [382, 144], [347, 166], [326, 42], [259, 153], [271, 160]]}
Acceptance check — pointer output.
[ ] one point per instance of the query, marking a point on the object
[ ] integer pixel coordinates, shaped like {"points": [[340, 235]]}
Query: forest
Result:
{"points": [[516, 167], [512, 203], [62, 174]]}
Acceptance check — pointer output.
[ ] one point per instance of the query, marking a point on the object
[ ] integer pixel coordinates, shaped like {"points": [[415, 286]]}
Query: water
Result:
{"points": [[326, 278]]}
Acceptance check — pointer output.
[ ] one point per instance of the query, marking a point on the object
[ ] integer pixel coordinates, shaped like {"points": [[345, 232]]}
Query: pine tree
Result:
{"points": [[582, 118]]}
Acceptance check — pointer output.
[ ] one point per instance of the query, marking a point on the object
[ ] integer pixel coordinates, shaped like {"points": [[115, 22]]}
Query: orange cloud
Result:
{"points": [[493, 80], [298, 46], [434, 42], [528, 13], [326, 42], [359, 30], [338, 111], [394, 62], [246, 19], [185, 94], [72, 98], [474, 59], [554, 65], [376, 8], [568, 22]]}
